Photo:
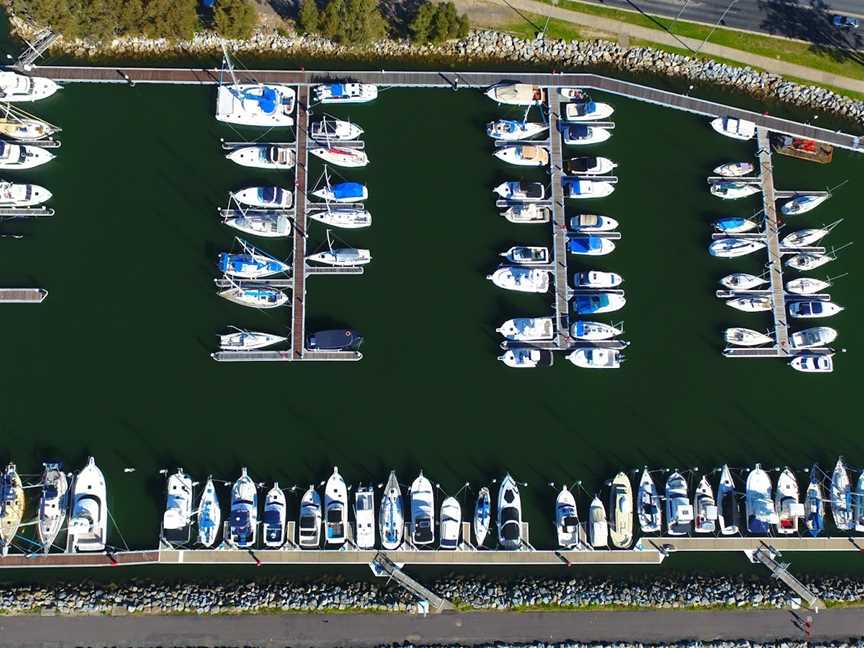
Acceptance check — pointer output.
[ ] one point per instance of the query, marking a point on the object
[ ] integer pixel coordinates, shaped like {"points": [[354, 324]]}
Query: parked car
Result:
{"points": [[845, 22]]}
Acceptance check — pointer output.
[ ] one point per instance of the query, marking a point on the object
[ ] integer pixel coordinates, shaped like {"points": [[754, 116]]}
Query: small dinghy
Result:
{"points": [[309, 523], [573, 93], [814, 503], [265, 197], [648, 504], [18, 157], [53, 505], [512, 130], [243, 340], [209, 515], [422, 512], [566, 519], [590, 223], [255, 104], [391, 519], [11, 506], [735, 128], [588, 166], [364, 517], [267, 224], [759, 502], [581, 134], [523, 155], [243, 518], [345, 93], [177, 518], [527, 213], [255, 297], [621, 512], [584, 189], [806, 286], [804, 237], [813, 363], [341, 156], [818, 336], [344, 218], [813, 309], [731, 248], [517, 94], [735, 225], [786, 501], [587, 111], [250, 264], [750, 304], [22, 195], [598, 527], [704, 508], [527, 255], [264, 156], [334, 340], [746, 337], [734, 169], [450, 524], [732, 190], [528, 329], [524, 191], [589, 245], [16, 87], [679, 511], [88, 510], [596, 358], [343, 192], [742, 281], [335, 509], [597, 279], [509, 515], [328, 129], [841, 498], [598, 303], [593, 331], [521, 279], [274, 517], [482, 516], [526, 358], [802, 204], [728, 511], [804, 261], [342, 257]]}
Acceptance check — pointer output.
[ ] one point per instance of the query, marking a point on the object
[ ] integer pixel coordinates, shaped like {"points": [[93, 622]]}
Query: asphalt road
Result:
{"points": [[366, 630]]}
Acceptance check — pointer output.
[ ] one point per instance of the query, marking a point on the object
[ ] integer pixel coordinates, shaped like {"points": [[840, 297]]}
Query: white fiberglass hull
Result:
{"points": [[746, 337], [585, 189], [528, 329], [335, 509], [245, 105], [806, 286], [263, 157], [521, 279], [811, 338], [802, 204], [342, 257], [739, 129], [731, 248], [334, 130], [648, 504], [594, 135], [590, 223], [209, 517], [523, 155], [88, 516], [15, 88], [265, 197], [22, 195], [53, 505], [23, 156], [266, 224], [596, 112], [742, 281], [248, 340], [596, 358], [593, 331], [391, 519], [507, 130], [343, 157], [343, 218]]}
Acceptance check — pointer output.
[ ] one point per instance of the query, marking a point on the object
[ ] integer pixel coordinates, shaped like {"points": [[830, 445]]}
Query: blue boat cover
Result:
{"points": [[590, 303], [730, 223], [267, 194], [348, 190], [337, 89], [580, 328], [577, 132], [267, 100], [582, 244], [2, 146]]}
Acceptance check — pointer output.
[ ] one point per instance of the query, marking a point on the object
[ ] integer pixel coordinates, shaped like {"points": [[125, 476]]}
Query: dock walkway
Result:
{"points": [[559, 222], [298, 272], [22, 295]]}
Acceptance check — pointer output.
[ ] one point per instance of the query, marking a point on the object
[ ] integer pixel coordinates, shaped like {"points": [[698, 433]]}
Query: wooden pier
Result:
{"points": [[559, 222], [22, 295], [298, 296]]}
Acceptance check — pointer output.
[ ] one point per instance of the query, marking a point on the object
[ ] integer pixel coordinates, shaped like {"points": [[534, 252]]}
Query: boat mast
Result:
{"points": [[226, 60]]}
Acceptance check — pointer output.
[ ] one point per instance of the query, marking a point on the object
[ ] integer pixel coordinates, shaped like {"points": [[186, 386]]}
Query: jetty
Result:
{"points": [[22, 295], [559, 223], [298, 269]]}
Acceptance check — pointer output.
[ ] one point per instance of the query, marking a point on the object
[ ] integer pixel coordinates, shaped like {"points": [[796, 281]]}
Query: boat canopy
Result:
{"points": [[579, 131], [589, 303], [348, 190], [267, 98], [582, 244], [335, 339]]}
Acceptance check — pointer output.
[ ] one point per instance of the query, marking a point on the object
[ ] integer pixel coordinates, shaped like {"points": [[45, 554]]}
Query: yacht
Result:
{"points": [[589, 245], [526, 358], [343, 192], [813, 363], [11, 506], [730, 248], [679, 512], [88, 516], [588, 166], [177, 518], [251, 264], [621, 512], [735, 128], [742, 281], [598, 527], [802, 204], [581, 189], [24, 128], [804, 237], [582, 134], [422, 512], [53, 505], [16, 87], [18, 157], [242, 340], [255, 104], [482, 516], [274, 518], [255, 297], [22, 195], [512, 130], [521, 279], [567, 519], [267, 224], [591, 223], [517, 94], [728, 510], [596, 358], [264, 156], [523, 155], [601, 302], [528, 329], [804, 261], [450, 523], [335, 509], [597, 279], [704, 508], [814, 503], [648, 504], [342, 257], [391, 519], [345, 93], [583, 111], [786, 501], [364, 517], [243, 519], [328, 129], [593, 331], [309, 532], [265, 197], [813, 309], [522, 191], [209, 515], [732, 189], [344, 217], [858, 503], [509, 515], [746, 337], [841, 498], [806, 286], [734, 169], [341, 156], [750, 304], [527, 255], [735, 225], [527, 213], [759, 503], [818, 336]]}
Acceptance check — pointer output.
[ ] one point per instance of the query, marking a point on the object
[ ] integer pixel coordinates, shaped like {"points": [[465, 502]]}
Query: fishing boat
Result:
{"points": [[523, 155], [597, 279], [528, 329], [250, 264], [732, 190], [814, 503], [679, 512], [621, 512], [265, 197], [804, 237], [334, 340], [731, 248], [243, 517], [255, 297], [422, 512], [596, 358], [812, 363], [209, 515], [813, 309], [364, 517], [18, 157], [526, 358], [267, 224], [590, 223], [344, 217], [527, 255], [88, 510], [735, 128], [53, 504], [345, 93], [804, 261], [11, 506], [750, 304], [342, 257], [341, 156], [16, 124], [517, 94], [858, 503], [728, 511], [589, 245], [742, 281], [391, 519], [583, 189], [243, 340], [735, 225], [817, 336], [264, 156], [335, 509], [273, 518], [588, 166], [509, 515], [309, 532], [602, 302], [566, 519], [648, 504], [16, 87], [521, 279], [22, 195], [734, 169], [582, 134], [704, 508], [177, 518], [343, 192], [450, 523], [482, 516], [576, 94], [802, 204], [512, 130], [328, 129], [746, 337], [786, 501], [758, 502], [841, 498], [524, 191], [593, 331], [598, 527], [587, 111], [806, 286], [527, 213]]}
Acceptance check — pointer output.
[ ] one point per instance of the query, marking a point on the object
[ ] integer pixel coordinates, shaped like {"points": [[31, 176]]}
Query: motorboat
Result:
{"points": [[621, 512], [705, 512], [345, 93], [841, 498], [787, 502], [735, 128], [759, 502], [746, 337], [593, 331], [527, 255], [648, 504], [17, 157], [265, 197], [512, 130], [731, 248], [802, 204], [177, 518], [250, 264], [577, 94], [804, 237], [309, 532], [523, 191], [53, 505], [567, 519], [679, 511], [728, 510], [450, 524], [24, 128], [517, 94], [521, 279], [598, 526], [328, 129], [813, 309], [817, 336], [344, 217], [11, 506], [597, 279], [343, 192], [274, 518], [16, 87], [22, 195], [255, 104], [804, 261], [526, 358], [364, 517], [582, 189], [391, 519], [267, 224], [482, 515], [587, 111], [243, 340], [523, 155], [528, 329], [422, 512], [858, 503], [589, 245], [735, 225], [601, 302], [334, 340], [527, 213], [243, 517], [734, 169], [342, 257], [509, 515], [742, 281], [732, 190], [596, 358], [588, 166], [209, 515], [806, 286], [813, 363], [341, 156], [750, 304], [264, 156], [590, 223], [335, 509], [814, 503], [582, 134], [88, 510], [255, 297]]}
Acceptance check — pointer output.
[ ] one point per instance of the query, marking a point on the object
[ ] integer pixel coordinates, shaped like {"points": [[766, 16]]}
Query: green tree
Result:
{"points": [[170, 18], [130, 17], [308, 18], [333, 21], [235, 18], [364, 22], [421, 25], [437, 22]]}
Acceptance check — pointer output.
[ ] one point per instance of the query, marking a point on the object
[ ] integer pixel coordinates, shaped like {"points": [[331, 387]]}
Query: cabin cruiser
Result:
{"points": [[736, 128], [18, 157], [364, 517], [742, 281], [391, 519], [523, 155], [88, 512], [342, 257], [728, 511], [813, 363], [521, 279], [841, 498], [517, 94], [209, 515], [581, 189], [804, 261], [267, 224], [264, 156], [806, 286], [328, 129], [512, 130], [588, 166], [334, 340], [730, 248], [735, 225], [759, 503], [750, 304], [243, 340], [422, 512], [251, 264], [343, 192], [648, 504], [567, 519], [482, 516], [734, 169], [601, 302], [732, 190], [527, 213], [528, 329], [345, 93], [576, 94], [704, 508], [450, 523], [22, 195], [591, 223], [177, 518], [243, 519], [588, 110], [265, 197], [597, 279], [593, 331], [581, 134], [621, 512], [813, 309], [789, 509], [509, 515], [274, 518], [11, 507], [309, 532], [255, 104], [598, 527], [344, 217], [596, 358], [802, 204], [804, 237], [53, 505], [16, 87], [814, 503], [524, 191], [746, 337], [341, 156], [818, 336], [526, 358], [679, 512], [335, 509], [255, 297], [527, 255], [589, 245]]}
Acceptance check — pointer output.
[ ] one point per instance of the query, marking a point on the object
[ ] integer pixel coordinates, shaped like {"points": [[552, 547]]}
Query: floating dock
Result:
{"points": [[559, 223], [22, 295]]}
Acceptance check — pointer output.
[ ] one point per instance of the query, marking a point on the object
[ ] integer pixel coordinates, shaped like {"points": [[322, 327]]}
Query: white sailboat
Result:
{"points": [[329, 129], [345, 93], [512, 130], [732, 189], [509, 515], [728, 511], [841, 498], [596, 358], [591, 223], [18, 157], [342, 257], [335, 509], [243, 518], [251, 263], [806, 286], [264, 297], [621, 512], [527, 255], [817, 336], [517, 94], [597, 279], [786, 501], [735, 225], [177, 518], [521, 213], [750, 304], [813, 363], [648, 504], [589, 245], [704, 508], [20, 125], [265, 197], [759, 503], [342, 216], [521, 279], [746, 337], [482, 516], [88, 516], [391, 519], [735, 128], [802, 204], [22, 195], [16, 87], [742, 281], [243, 340], [53, 504], [567, 519], [598, 526], [593, 331], [309, 522], [805, 261], [422, 512], [523, 155], [253, 104], [450, 523], [814, 503], [805, 237], [734, 169], [364, 517], [11, 507], [813, 309], [274, 518], [209, 515], [264, 156], [263, 223], [679, 511], [341, 156], [526, 358], [528, 329]]}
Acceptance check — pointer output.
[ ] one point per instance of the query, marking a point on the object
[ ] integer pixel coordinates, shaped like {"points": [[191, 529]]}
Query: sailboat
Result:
{"points": [[255, 297], [243, 340], [274, 518], [814, 503], [593, 331], [482, 515], [341, 156], [422, 512], [526, 358], [528, 329], [804, 261], [509, 515], [18, 157], [597, 279], [704, 508], [730, 248], [243, 520], [177, 518], [88, 516], [802, 204], [345, 93], [209, 515], [818, 336], [328, 129], [591, 223], [22, 195], [621, 512], [648, 504], [253, 104], [750, 304], [527, 255], [391, 519], [341, 256], [264, 223], [841, 498], [16, 87], [265, 197], [598, 527], [450, 523], [758, 502], [53, 504], [734, 169], [517, 94], [566, 519], [364, 517], [512, 130], [587, 111], [735, 225], [786, 501], [309, 532], [735, 128], [806, 286], [19, 125], [742, 281], [523, 155], [252, 263], [264, 156], [345, 217], [805, 237], [521, 279], [746, 337], [728, 511], [11, 506], [732, 189], [679, 512], [335, 509]]}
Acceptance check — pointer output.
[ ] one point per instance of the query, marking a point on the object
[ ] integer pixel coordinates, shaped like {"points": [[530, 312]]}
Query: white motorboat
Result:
{"points": [[528, 329], [88, 510], [209, 516], [22, 195], [804, 261], [841, 498], [589, 245], [509, 515], [16, 87], [345, 93], [734, 169], [274, 518], [597, 279], [344, 217], [482, 516], [582, 134], [746, 337], [309, 531], [11, 507], [813, 363], [735, 225], [621, 512], [335, 509], [588, 166], [786, 501], [243, 517], [583, 189], [342, 257], [265, 197], [53, 505], [177, 518], [243, 340], [802, 204], [18, 157], [804, 237], [523, 155], [593, 331], [858, 503], [590, 223], [598, 526], [818, 336], [732, 190], [517, 94], [512, 130], [523, 191], [759, 502], [341, 156], [328, 129], [704, 508], [601, 302], [526, 358], [813, 309], [566, 519], [731, 248], [742, 281], [364, 517], [264, 156], [521, 279], [750, 304], [527, 213], [342, 192], [422, 512], [266, 224], [576, 94], [391, 519], [679, 511], [733, 127], [255, 104], [728, 510], [587, 111], [806, 286], [251, 263], [255, 297], [814, 503], [648, 504], [527, 255], [596, 358], [450, 524]]}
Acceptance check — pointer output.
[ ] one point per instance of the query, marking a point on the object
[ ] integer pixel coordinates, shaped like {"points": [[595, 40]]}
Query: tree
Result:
{"points": [[333, 21], [170, 18], [308, 18], [438, 22], [422, 23], [364, 22], [235, 18]]}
